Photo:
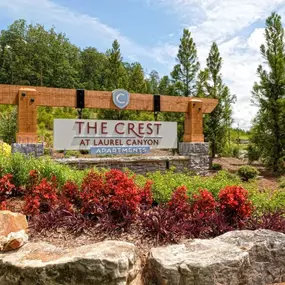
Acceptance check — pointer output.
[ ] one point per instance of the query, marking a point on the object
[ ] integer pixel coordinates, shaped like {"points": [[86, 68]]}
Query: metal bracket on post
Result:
{"points": [[156, 105], [80, 101]]}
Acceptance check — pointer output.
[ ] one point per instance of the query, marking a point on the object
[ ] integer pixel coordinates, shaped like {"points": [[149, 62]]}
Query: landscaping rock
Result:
{"points": [[197, 262], [12, 230], [105, 263], [13, 241], [12, 222], [235, 258], [266, 253]]}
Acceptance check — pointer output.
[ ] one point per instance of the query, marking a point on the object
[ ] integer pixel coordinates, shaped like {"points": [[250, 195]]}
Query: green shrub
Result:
{"points": [[165, 183], [230, 150], [247, 172], [253, 153], [236, 151], [20, 166], [8, 125], [216, 166], [281, 182], [267, 200]]}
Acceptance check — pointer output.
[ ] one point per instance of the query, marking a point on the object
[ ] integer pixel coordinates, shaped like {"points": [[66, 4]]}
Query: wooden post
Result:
{"points": [[27, 116], [193, 124]]}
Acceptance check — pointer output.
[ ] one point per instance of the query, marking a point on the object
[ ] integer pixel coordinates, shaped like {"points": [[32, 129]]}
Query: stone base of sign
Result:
{"points": [[198, 153], [143, 164], [28, 149]]}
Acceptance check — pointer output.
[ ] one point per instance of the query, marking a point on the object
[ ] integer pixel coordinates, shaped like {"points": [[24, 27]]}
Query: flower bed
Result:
{"points": [[114, 201]]}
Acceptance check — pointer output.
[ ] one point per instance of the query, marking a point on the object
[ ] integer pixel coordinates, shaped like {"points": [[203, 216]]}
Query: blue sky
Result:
{"points": [[149, 32]]}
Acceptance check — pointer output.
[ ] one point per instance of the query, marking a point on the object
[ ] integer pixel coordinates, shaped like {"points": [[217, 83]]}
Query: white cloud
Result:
{"points": [[228, 22]]}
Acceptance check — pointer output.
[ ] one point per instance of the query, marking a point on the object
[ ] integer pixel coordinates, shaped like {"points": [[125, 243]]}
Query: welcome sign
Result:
{"points": [[75, 134]]}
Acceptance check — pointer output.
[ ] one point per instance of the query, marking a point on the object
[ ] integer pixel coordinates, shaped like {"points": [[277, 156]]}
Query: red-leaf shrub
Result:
{"points": [[234, 204], [145, 194], [6, 187], [41, 198], [179, 203], [203, 203], [60, 218], [274, 221], [91, 193], [161, 224], [122, 194], [70, 193], [111, 195]]}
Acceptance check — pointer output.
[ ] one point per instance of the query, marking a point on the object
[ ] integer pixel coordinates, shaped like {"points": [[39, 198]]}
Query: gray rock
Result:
{"points": [[197, 262], [28, 149], [105, 263], [266, 252], [235, 258]]}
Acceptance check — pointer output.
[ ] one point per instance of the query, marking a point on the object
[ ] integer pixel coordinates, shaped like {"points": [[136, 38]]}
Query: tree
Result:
{"points": [[93, 69], [137, 81], [216, 124], [117, 77], [185, 71], [269, 95], [13, 59], [153, 83]]}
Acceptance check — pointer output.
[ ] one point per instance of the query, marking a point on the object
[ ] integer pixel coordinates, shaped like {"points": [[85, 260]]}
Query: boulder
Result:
{"points": [[266, 251], [12, 230], [235, 258], [104, 263], [13, 241], [12, 222], [197, 262]]}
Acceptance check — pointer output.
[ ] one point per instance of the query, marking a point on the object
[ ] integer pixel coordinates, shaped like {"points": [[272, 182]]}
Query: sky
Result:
{"points": [[149, 32]]}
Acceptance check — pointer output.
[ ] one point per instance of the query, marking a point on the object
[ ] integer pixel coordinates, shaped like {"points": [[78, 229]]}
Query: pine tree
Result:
{"points": [[210, 85], [117, 77], [153, 82], [185, 71], [137, 83], [269, 95]]}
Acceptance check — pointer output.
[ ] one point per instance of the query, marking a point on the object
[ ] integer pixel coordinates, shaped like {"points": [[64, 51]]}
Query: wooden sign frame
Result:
{"points": [[28, 98]]}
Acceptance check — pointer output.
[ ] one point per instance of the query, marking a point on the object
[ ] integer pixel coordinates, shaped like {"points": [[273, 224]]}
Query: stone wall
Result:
{"points": [[193, 157], [140, 165]]}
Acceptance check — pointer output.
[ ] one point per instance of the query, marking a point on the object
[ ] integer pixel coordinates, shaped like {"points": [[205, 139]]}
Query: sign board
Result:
{"points": [[96, 150], [75, 134]]}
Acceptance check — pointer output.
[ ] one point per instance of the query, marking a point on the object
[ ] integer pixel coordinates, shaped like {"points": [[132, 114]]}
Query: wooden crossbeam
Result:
{"points": [[59, 97]]}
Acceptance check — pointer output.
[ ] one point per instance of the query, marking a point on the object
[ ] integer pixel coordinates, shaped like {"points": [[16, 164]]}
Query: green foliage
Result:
{"points": [[216, 124], [165, 183], [20, 166], [267, 200], [247, 172], [282, 182], [253, 153], [8, 124], [184, 73], [268, 133], [216, 166], [230, 150]]}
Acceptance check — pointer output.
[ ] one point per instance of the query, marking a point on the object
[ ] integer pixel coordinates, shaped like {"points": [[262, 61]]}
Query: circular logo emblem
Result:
{"points": [[121, 98]]}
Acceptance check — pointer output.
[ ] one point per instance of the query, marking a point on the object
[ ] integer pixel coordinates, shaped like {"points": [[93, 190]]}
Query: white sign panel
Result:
{"points": [[78, 134]]}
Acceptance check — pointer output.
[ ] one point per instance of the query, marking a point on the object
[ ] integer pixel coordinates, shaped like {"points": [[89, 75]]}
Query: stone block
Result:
{"points": [[28, 149], [188, 148]]}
